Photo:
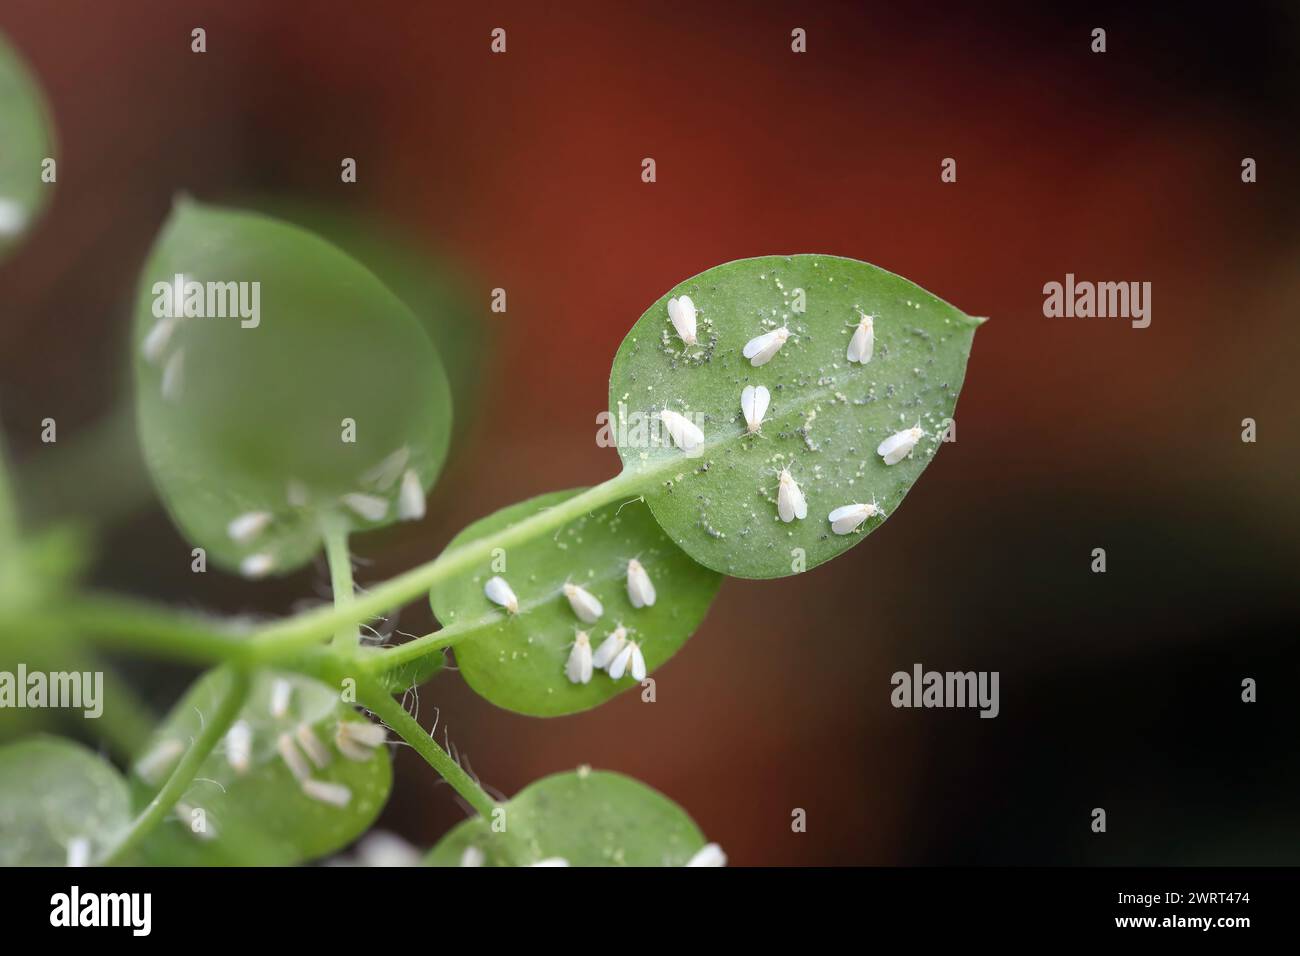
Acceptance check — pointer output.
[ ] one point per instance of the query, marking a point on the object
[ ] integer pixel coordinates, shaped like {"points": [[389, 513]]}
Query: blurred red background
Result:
{"points": [[522, 171]]}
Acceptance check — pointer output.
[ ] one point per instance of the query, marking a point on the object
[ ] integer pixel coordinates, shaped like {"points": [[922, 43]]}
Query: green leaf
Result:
{"points": [[585, 817], [249, 416], [260, 817], [433, 288], [54, 792], [827, 415], [518, 661], [25, 142]]}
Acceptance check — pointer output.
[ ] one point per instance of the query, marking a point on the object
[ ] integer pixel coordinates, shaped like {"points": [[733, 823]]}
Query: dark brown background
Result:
{"points": [[1118, 691]]}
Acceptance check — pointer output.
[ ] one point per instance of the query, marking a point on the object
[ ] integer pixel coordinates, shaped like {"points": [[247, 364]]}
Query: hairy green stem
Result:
{"points": [[408, 728], [139, 626], [394, 657], [215, 726], [301, 632], [348, 636], [135, 625]]}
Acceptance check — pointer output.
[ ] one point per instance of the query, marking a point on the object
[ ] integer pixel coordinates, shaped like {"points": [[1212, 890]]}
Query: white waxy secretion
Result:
{"points": [[640, 589], [682, 313], [760, 349], [790, 502], [610, 647], [629, 660], [899, 445], [78, 851], [13, 217], [410, 500], [155, 343], [501, 594], [281, 694], [473, 856], [584, 603], [708, 855], [551, 861], [292, 758], [754, 400], [335, 794], [239, 746], [244, 528], [368, 507], [256, 565], [387, 471], [172, 374], [316, 751], [863, 342], [154, 765], [358, 739], [578, 668], [296, 494], [847, 519], [685, 434]]}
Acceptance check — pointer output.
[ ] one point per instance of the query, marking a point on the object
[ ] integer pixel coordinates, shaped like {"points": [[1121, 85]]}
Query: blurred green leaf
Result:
{"points": [[430, 286], [25, 142], [260, 816], [56, 796], [584, 817], [247, 431], [517, 661], [827, 415]]}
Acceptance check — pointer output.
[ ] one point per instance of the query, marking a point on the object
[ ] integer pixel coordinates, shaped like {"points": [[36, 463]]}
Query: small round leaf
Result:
{"points": [[517, 661], [826, 416], [584, 817], [25, 143], [304, 393], [53, 794], [259, 814]]}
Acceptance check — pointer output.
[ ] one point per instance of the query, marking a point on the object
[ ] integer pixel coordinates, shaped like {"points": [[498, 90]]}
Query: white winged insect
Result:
{"points": [[790, 502], [900, 444], [242, 529], [584, 603], [754, 400], [863, 342], [760, 349], [682, 313], [708, 855], [500, 593], [685, 434], [629, 660], [410, 499], [847, 519], [610, 648], [359, 739], [640, 589], [579, 667]]}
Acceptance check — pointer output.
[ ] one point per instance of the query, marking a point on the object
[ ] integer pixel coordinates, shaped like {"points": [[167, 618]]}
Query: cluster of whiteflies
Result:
{"points": [[708, 855], [617, 654], [301, 750], [370, 504], [754, 403]]}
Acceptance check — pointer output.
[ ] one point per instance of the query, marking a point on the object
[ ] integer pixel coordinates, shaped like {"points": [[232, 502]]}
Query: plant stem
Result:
{"points": [[138, 626], [214, 728], [408, 728], [301, 632], [348, 636], [393, 657]]}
